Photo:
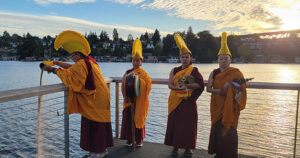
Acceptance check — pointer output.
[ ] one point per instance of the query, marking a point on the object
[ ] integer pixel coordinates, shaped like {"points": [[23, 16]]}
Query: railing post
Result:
{"points": [[66, 124], [117, 110], [296, 125]]}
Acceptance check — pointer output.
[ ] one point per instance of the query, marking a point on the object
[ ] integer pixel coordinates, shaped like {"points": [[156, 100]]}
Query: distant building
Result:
{"points": [[277, 59], [260, 42], [150, 45], [9, 58], [106, 45], [151, 59], [30, 59], [173, 60]]}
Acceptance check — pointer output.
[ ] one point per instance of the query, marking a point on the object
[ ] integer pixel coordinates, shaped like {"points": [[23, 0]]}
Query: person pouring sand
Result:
{"points": [[88, 93]]}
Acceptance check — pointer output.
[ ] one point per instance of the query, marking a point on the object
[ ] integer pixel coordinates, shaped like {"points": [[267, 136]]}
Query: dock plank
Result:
{"points": [[151, 150]]}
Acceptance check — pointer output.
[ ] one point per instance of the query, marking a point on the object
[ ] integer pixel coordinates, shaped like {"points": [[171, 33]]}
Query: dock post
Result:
{"points": [[296, 125], [117, 110], [66, 124]]}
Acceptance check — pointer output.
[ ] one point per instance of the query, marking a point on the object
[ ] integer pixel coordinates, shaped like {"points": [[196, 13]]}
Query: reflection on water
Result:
{"points": [[266, 126], [285, 75]]}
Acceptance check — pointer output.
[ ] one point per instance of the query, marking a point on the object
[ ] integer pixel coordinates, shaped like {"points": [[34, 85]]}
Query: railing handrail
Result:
{"points": [[16, 94], [256, 85]]}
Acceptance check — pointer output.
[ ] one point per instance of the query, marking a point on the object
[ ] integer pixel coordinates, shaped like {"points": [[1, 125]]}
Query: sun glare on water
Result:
{"points": [[285, 75]]}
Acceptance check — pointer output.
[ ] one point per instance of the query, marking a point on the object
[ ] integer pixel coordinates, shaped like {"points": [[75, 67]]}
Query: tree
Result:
{"points": [[92, 38], [233, 42], [156, 37], [115, 35], [206, 47], [190, 36], [191, 41], [104, 37], [244, 51], [168, 45], [6, 36], [129, 38], [5, 39], [32, 46], [16, 38], [146, 36], [158, 50]]}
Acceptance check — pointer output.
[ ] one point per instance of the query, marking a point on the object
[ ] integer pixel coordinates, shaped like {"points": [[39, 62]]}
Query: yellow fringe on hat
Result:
{"points": [[224, 48], [72, 41], [183, 49], [137, 49]]}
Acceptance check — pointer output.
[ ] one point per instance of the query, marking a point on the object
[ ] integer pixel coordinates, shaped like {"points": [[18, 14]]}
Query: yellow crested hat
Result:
{"points": [[224, 48], [183, 49], [137, 49], [72, 41]]}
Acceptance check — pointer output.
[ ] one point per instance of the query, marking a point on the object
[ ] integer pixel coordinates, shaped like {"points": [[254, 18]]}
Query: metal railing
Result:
{"points": [[18, 94]]}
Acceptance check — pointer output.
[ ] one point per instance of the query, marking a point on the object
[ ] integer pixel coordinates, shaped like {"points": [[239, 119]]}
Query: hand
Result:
{"points": [[226, 85], [48, 63], [48, 68], [181, 86], [209, 89]]}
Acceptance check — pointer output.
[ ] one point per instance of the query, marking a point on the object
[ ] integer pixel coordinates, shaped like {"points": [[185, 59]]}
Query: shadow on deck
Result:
{"points": [[152, 150]]}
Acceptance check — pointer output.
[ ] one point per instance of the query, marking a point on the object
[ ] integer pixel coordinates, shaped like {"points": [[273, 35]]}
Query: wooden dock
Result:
{"points": [[151, 150]]}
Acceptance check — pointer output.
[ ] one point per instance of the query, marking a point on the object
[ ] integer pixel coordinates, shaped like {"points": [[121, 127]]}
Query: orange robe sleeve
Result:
{"points": [[142, 101], [92, 104]]}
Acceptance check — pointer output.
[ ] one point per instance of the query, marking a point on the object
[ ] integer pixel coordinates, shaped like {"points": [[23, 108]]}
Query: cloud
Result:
{"points": [[53, 25], [133, 2], [45, 2], [246, 15]]}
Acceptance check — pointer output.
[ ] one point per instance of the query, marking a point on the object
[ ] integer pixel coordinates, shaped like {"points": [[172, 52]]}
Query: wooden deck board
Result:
{"points": [[151, 150]]}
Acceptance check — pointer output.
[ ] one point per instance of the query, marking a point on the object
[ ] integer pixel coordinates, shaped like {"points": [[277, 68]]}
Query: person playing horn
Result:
{"points": [[88, 93], [186, 84], [141, 101], [228, 98]]}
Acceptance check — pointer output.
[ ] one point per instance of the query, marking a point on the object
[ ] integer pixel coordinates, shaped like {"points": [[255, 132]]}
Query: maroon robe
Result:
{"points": [[140, 133], [126, 134], [95, 136], [182, 122]]}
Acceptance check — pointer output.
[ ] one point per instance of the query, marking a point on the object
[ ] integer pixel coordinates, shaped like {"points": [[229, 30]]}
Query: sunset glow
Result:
{"points": [[289, 17]]}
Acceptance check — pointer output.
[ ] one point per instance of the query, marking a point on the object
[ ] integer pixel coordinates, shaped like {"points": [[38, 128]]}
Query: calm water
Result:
{"points": [[266, 126]]}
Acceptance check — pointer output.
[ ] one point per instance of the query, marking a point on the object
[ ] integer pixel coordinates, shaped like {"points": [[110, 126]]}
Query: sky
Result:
{"points": [[50, 17]]}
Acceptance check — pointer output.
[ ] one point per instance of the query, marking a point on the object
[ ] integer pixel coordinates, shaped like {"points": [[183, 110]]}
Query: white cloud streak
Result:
{"points": [[45, 2], [133, 2], [53, 25]]}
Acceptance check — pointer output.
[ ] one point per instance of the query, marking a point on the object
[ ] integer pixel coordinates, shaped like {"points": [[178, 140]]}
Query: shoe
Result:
{"points": [[188, 153], [139, 144], [175, 152], [98, 155], [128, 143], [106, 152]]}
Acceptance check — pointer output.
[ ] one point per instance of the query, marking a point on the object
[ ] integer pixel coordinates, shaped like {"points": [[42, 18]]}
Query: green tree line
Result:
{"points": [[203, 45]]}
